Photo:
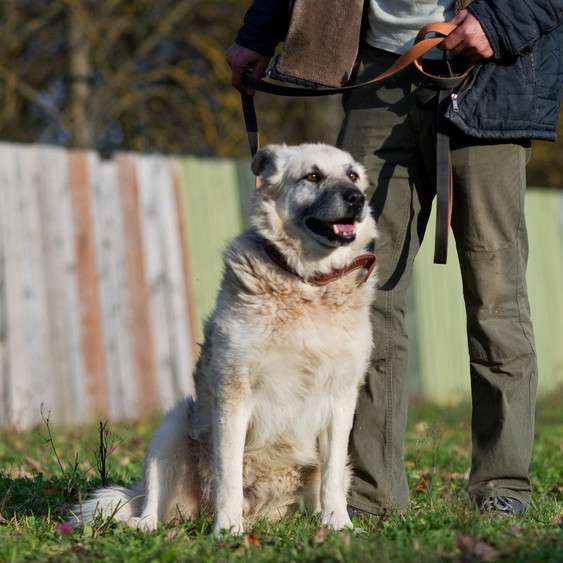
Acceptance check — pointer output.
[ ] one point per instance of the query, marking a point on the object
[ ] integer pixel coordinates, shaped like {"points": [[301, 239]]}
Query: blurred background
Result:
{"points": [[123, 171]]}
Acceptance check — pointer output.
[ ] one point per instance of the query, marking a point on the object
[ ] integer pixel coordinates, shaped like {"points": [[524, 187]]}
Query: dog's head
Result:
{"points": [[312, 203]]}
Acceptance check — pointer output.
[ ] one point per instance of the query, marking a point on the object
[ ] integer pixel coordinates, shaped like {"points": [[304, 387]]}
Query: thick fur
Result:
{"points": [[279, 371]]}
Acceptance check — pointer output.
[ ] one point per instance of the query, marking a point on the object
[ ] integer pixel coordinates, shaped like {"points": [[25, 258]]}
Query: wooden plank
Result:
{"points": [[5, 387], [213, 216], [440, 312], [28, 349], [165, 279], [16, 388], [440, 318], [137, 289], [191, 312], [58, 262], [4, 356], [112, 279], [545, 285], [171, 249], [90, 321], [246, 185]]}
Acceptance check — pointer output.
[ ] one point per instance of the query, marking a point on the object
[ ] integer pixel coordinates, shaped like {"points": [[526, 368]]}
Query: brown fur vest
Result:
{"points": [[323, 40]]}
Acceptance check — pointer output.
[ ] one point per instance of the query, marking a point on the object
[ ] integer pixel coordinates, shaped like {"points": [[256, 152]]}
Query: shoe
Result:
{"points": [[354, 512], [501, 506]]}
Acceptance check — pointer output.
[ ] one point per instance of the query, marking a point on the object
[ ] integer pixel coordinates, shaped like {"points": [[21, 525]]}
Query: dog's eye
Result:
{"points": [[313, 177], [353, 176]]}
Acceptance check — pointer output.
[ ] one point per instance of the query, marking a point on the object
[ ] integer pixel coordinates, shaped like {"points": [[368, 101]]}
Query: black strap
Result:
{"points": [[443, 182], [250, 122]]}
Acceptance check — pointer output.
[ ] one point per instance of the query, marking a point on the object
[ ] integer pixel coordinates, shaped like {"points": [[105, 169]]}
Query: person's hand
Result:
{"points": [[242, 60], [469, 39]]}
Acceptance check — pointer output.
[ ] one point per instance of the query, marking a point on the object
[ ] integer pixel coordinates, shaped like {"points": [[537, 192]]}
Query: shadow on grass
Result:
{"points": [[33, 495], [42, 496]]}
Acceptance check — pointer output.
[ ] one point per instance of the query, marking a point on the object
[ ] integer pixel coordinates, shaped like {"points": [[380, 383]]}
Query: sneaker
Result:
{"points": [[501, 506], [354, 512]]}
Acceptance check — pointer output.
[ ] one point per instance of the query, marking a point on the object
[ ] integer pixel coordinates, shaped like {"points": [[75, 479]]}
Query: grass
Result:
{"points": [[36, 488]]}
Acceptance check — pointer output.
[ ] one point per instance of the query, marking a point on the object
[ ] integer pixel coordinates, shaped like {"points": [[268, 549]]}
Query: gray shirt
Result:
{"points": [[393, 24]]}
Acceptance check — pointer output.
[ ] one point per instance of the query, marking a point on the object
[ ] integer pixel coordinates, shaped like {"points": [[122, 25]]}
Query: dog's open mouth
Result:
{"points": [[342, 230]]}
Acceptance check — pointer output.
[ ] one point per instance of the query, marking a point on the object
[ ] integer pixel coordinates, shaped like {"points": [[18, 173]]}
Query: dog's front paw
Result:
{"points": [[146, 523], [336, 519], [225, 523]]}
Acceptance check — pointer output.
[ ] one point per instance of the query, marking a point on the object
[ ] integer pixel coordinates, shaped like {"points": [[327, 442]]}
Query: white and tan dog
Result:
{"points": [[285, 352]]}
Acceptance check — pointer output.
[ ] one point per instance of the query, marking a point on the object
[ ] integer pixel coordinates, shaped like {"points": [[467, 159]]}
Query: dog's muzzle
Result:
{"points": [[335, 216]]}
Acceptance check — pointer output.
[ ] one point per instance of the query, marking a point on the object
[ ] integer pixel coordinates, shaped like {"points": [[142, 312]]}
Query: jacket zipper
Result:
{"points": [[455, 103]]}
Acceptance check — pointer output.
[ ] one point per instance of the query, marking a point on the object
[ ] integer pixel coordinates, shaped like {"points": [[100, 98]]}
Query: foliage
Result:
{"points": [[441, 525], [151, 77], [131, 74], [546, 166]]}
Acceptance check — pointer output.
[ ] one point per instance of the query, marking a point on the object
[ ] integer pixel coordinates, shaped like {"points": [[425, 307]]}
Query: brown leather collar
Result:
{"points": [[366, 261]]}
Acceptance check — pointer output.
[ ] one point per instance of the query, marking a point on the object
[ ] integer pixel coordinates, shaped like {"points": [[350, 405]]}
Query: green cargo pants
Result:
{"points": [[390, 129]]}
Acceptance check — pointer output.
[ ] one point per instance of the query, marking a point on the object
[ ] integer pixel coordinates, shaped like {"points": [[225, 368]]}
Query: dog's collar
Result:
{"points": [[366, 261]]}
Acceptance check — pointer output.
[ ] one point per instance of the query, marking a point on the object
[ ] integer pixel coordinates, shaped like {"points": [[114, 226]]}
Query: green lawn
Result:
{"points": [[441, 524]]}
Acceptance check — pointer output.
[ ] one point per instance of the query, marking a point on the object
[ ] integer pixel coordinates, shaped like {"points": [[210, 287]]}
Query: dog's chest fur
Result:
{"points": [[297, 349]]}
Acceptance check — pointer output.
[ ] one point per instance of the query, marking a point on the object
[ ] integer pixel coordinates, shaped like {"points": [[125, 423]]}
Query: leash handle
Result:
{"points": [[414, 55]]}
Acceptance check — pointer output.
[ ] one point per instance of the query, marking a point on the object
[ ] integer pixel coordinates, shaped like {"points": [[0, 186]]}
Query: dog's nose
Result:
{"points": [[353, 198]]}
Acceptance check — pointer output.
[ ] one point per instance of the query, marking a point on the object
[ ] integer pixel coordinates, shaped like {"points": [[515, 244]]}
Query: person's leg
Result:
{"points": [[490, 230], [385, 128]]}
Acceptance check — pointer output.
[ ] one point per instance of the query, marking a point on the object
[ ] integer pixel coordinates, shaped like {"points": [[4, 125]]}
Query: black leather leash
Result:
{"points": [[444, 182], [444, 86]]}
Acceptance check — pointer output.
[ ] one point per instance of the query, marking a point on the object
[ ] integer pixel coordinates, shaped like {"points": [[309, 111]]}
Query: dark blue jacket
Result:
{"points": [[516, 95]]}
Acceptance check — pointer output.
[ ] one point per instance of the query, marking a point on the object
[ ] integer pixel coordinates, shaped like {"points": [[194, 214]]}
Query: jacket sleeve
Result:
{"points": [[265, 24], [513, 25]]}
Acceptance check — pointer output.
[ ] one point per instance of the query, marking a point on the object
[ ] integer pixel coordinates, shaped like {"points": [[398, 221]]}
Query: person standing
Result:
{"points": [[513, 96]]}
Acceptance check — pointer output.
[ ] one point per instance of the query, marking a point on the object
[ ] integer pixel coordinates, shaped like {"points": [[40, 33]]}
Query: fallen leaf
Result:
{"points": [[422, 485], [251, 539], [319, 536], [248, 540], [472, 548]]}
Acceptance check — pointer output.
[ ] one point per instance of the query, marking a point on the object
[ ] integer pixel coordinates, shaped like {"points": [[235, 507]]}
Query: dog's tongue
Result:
{"points": [[343, 228]]}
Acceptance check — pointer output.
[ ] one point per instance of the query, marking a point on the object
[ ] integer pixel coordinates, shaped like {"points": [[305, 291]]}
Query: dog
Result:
{"points": [[284, 354]]}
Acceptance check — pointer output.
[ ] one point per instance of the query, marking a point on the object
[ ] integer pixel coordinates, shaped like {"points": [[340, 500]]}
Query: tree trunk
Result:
{"points": [[81, 74]]}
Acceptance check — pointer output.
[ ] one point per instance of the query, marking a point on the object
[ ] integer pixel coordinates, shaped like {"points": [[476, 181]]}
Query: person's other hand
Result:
{"points": [[242, 60], [469, 39]]}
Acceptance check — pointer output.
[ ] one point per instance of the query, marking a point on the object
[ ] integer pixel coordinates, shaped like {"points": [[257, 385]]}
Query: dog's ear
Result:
{"points": [[267, 163]]}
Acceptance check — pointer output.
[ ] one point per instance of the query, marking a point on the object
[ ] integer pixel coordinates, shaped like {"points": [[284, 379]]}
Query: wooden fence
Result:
{"points": [[108, 268], [440, 372]]}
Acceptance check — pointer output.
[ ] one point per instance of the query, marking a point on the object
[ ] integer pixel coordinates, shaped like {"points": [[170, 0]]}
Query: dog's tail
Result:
{"points": [[119, 503]]}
